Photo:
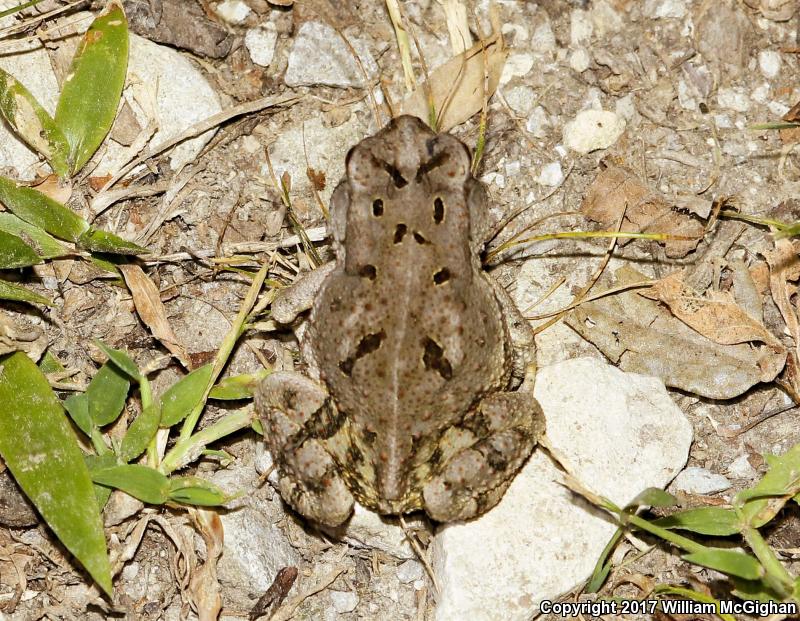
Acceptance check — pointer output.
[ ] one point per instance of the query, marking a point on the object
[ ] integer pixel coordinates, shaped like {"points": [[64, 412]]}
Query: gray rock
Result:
{"points": [[319, 55], [696, 480], [260, 43], [591, 130], [618, 433]]}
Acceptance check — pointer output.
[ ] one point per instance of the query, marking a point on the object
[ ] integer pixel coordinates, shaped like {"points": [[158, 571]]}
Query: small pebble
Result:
{"points": [[733, 99], [579, 60], [409, 571], [593, 129], [580, 27], [551, 174], [740, 467], [695, 480], [344, 601], [769, 61], [233, 11], [517, 65], [538, 122], [260, 43]]}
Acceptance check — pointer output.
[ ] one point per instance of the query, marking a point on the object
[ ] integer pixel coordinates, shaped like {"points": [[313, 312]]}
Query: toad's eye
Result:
{"points": [[442, 276], [438, 210], [377, 207]]}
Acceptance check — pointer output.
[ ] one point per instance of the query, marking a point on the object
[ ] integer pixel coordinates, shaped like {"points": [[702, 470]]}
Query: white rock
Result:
{"points": [[493, 178], [183, 97], [520, 32], [513, 168], [619, 433], [409, 571], [697, 480], [740, 467], [625, 107], [260, 43], [580, 27], [233, 11], [733, 99], [777, 108], [521, 99], [665, 9], [517, 65], [579, 60], [320, 56], [538, 122], [769, 61], [593, 129], [761, 93], [543, 39], [367, 529], [686, 96], [325, 146], [255, 548], [344, 601], [605, 18], [551, 174]]}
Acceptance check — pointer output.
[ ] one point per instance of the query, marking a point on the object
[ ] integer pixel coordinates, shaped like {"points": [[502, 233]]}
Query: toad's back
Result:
{"points": [[407, 331]]}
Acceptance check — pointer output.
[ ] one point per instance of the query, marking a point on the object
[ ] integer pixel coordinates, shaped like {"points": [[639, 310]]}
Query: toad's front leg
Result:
{"points": [[298, 417]]}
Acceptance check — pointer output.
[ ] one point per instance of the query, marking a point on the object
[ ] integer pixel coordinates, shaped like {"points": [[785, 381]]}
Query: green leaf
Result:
{"points": [[16, 253], [603, 566], [41, 210], [100, 462], [196, 491], [763, 501], [78, 408], [16, 293], [121, 360], [93, 86], [704, 520], [41, 450], [31, 122], [654, 497], [107, 393], [43, 244], [238, 386], [50, 364], [103, 241], [142, 482], [184, 395], [755, 590], [141, 431], [730, 562]]}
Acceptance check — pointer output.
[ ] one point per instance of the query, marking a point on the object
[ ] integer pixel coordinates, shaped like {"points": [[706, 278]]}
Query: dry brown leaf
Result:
{"points": [[717, 317], [52, 187], [783, 267], [642, 336], [204, 586], [458, 85], [616, 189], [148, 304]]}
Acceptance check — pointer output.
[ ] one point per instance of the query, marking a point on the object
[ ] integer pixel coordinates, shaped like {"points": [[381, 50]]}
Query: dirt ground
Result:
{"points": [[688, 78]]}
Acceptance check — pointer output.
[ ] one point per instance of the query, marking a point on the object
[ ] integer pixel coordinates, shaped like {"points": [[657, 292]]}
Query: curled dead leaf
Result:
{"points": [[643, 336], [458, 87], [617, 189], [148, 304]]}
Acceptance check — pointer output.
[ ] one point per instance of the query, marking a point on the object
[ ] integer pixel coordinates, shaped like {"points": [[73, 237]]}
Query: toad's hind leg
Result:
{"points": [[298, 417], [480, 458]]}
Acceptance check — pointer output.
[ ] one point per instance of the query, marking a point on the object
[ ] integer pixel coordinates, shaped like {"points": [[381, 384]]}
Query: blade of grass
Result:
{"points": [[41, 450], [88, 102]]}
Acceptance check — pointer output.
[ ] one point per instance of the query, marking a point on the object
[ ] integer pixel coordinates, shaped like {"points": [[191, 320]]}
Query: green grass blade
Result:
{"points": [[16, 253], [16, 293], [39, 447], [653, 497], [730, 562], [142, 482], [93, 86], [704, 520], [238, 386], [184, 395], [32, 123], [196, 491], [41, 210], [143, 428], [43, 244], [106, 394], [103, 241], [122, 361]]}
